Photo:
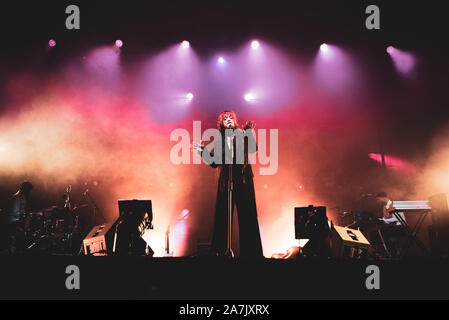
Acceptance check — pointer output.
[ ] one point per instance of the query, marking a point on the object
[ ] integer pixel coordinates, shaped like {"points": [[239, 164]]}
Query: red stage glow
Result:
{"points": [[99, 120], [392, 162]]}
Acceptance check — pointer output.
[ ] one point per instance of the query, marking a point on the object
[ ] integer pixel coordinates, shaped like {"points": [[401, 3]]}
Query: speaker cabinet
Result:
{"points": [[347, 243], [99, 241]]}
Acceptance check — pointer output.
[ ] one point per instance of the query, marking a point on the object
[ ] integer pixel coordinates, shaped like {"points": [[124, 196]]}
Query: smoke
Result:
{"points": [[61, 136], [435, 174], [100, 125]]}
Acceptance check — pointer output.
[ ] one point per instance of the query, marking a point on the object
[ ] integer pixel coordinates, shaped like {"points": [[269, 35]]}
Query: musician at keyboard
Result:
{"points": [[391, 234], [387, 209]]}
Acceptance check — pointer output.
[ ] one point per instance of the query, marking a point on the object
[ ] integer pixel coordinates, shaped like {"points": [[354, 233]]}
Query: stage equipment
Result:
{"points": [[439, 230], [363, 220], [125, 235], [440, 210], [96, 209], [167, 252], [135, 221], [311, 223], [420, 207], [229, 253], [439, 239], [99, 241], [347, 243]]}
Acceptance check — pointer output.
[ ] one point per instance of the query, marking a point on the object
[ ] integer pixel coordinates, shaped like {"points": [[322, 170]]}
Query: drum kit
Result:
{"points": [[52, 230]]}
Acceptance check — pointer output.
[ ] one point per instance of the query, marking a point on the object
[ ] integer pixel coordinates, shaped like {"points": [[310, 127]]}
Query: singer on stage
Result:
{"points": [[243, 195]]}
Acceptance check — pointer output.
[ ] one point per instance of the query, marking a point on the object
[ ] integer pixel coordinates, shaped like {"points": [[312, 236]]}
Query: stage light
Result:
{"points": [[255, 44], [221, 60], [324, 47], [185, 44], [404, 61], [51, 43], [118, 43], [249, 97], [189, 96]]}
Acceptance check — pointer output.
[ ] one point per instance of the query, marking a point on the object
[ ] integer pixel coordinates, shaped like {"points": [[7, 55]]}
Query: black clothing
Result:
{"points": [[243, 195]]}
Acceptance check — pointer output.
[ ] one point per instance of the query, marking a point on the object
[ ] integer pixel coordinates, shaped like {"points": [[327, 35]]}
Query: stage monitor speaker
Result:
{"points": [[133, 227], [124, 236], [99, 241], [347, 243]]}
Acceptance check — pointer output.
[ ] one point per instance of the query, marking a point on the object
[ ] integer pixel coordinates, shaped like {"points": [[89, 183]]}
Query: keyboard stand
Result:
{"points": [[412, 232]]}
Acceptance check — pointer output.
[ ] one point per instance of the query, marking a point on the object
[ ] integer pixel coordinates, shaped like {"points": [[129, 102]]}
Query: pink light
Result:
{"points": [[189, 96], [185, 44], [221, 60], [255, 44], [118, 43], [403, 61], [392, 162], [51, 43]]}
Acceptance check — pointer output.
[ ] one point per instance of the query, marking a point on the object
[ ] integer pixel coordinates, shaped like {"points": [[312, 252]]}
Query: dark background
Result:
{"points": [[410, 113], [298, 26]]}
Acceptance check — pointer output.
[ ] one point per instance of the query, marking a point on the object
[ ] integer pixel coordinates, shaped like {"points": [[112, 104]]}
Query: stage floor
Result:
{"points": [[45, 277]]}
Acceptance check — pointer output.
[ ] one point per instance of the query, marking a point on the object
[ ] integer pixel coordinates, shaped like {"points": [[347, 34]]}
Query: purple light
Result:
{"points": [[324, 48], [51, 43], [334, 69], [255, 44], [221, 60], [189, 96], [403, 61], [118, 43], [185, 44]]}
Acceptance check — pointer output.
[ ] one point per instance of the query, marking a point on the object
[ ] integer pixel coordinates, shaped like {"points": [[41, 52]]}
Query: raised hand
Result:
{"points": [[250, 125], [198, 147]]}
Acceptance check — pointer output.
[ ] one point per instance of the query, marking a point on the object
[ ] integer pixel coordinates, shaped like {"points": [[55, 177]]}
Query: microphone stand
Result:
{"points": [[94, 205], [229, 253]]}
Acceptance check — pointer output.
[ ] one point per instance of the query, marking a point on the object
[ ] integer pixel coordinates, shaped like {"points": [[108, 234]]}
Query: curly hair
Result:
{"points": [[222, 115]]}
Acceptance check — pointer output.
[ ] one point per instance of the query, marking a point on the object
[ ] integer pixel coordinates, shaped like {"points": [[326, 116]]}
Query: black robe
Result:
{"points": [[243, 197]]}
